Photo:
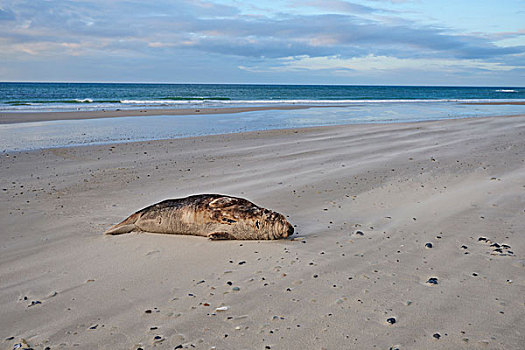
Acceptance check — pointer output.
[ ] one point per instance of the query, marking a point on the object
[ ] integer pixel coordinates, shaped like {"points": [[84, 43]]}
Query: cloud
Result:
{"points": [[345, 36], [338, 6], [6, 15]]}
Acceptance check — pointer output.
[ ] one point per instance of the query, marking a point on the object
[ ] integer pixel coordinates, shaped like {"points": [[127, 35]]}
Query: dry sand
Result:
{"points": [[64, 285]]}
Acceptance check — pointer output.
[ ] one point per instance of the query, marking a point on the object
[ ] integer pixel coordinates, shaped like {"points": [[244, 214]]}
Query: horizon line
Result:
{"points": [[247, 84]]}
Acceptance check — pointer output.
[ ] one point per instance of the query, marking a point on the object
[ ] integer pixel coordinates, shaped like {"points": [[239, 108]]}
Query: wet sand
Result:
{"points": [[26, 117], [410, 236]]}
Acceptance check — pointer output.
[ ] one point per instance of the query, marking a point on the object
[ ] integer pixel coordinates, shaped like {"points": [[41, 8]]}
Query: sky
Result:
{"points": [[370, 42]]}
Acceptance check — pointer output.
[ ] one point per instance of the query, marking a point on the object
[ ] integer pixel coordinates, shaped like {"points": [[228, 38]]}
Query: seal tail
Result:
{"points": [[125, 226]]}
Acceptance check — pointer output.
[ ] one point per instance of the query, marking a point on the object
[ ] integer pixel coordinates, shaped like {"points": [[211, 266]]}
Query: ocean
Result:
{"points": [[348, 105], [98, 96]]}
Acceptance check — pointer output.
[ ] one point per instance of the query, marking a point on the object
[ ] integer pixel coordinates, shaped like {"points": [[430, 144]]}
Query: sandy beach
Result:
{"points": [[409, 236]]}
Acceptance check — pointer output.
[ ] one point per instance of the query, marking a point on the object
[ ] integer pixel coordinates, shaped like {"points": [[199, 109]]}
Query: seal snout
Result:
{"points": [[290, 230]]}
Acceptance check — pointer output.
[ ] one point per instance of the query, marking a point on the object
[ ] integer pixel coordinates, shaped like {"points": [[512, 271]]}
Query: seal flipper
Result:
{"points": [[125, 226], [215, 236], [117, 230]]}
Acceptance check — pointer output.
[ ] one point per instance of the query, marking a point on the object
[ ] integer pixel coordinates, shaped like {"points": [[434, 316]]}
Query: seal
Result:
{"points": [[214, 216]]}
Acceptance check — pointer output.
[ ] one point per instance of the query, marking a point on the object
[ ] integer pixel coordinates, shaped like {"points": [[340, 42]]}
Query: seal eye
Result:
{"points": [[257, 224]]}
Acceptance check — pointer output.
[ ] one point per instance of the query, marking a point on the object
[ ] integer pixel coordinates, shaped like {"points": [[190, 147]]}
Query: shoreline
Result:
{"points": [[515, 103], [250, 133], [27, 117]]}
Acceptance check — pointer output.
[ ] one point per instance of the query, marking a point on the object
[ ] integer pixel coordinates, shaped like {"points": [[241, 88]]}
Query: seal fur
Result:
{"points": [[214, 216]]}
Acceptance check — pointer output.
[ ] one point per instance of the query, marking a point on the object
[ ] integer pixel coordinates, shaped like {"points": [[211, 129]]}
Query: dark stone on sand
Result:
{"points": [[495, 245], [148, 311], [178, 347], [436, 335], [359, 233], [428, 245], [391, 320], [432, 280], [482, 239], [464, 247], [34, 302]]}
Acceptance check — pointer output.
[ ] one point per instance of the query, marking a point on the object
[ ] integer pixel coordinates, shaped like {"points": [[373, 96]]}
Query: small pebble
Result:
{"points": [[359, 233], [428, 245], [236, 289], [482, 239], [432, 280], [436, 335], [222, 308], [391, 320], [464, 247]]}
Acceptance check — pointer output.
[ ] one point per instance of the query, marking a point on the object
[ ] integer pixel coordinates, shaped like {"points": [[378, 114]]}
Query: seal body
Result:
{"points": [[211, 215]]}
